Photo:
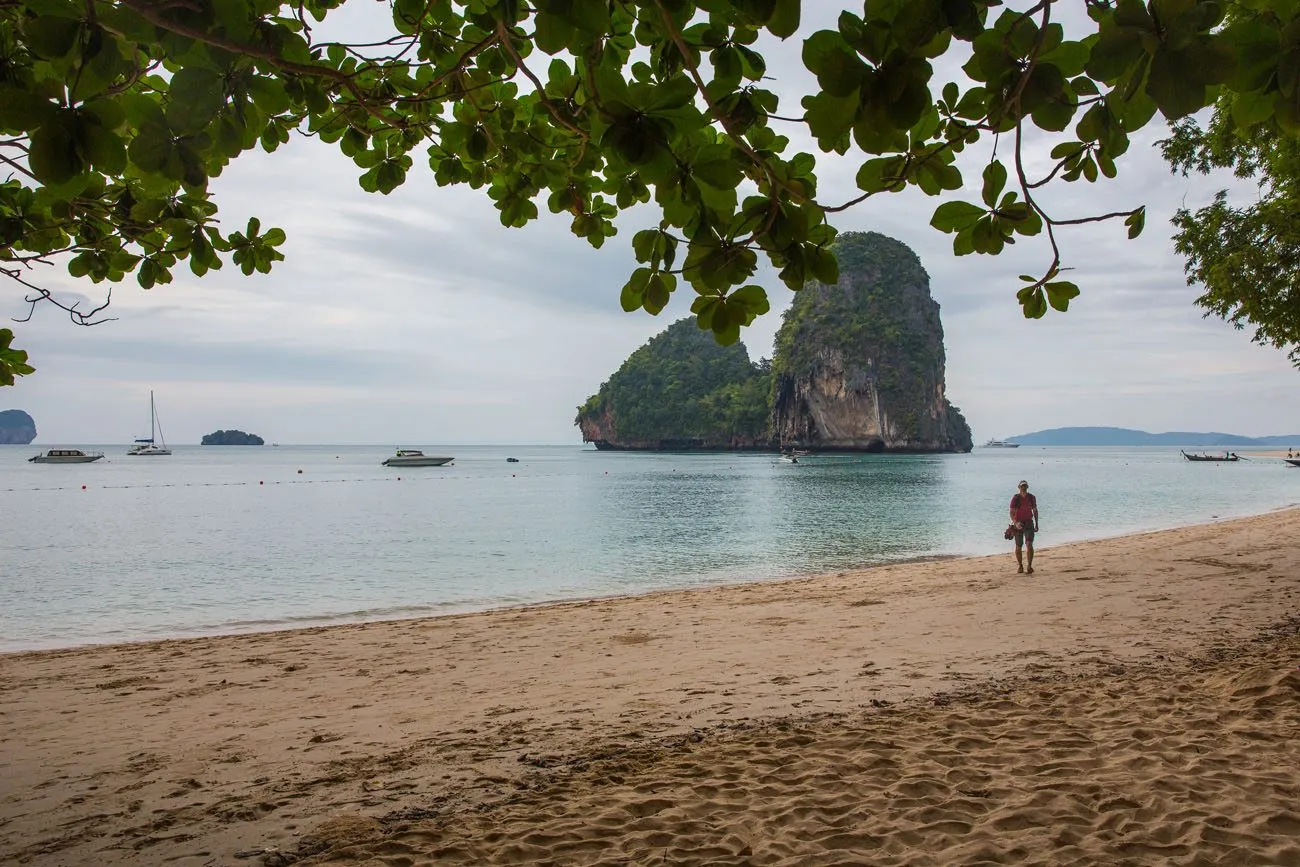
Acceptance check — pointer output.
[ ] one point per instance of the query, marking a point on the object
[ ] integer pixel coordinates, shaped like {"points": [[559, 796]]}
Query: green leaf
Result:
{"points": [[752, 298], [1249, 109], [13, 362], [723, 174], [1175, 89], [785, 18], [102, 147], [22, 109], [830, 118], [50, 37], [1060, 293], [955, 216], [53, 155], [1033, 304], [633, 293], [658, 289], [838, 68], [195, 97], [553, 35], [995, 179], [152, 148], [1136, 221]]}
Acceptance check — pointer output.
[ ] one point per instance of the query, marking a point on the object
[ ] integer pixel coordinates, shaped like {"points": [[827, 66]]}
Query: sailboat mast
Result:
{"points": [[152, 416]]}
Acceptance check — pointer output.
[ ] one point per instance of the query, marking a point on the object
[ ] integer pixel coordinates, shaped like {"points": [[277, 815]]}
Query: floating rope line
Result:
{"points": [[245, 484]]}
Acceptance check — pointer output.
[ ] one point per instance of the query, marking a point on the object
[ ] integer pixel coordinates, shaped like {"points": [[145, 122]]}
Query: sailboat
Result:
{"points": [[147, 446]]}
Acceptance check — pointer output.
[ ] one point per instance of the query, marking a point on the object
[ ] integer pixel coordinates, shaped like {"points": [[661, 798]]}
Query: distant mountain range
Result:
{"points": [[1122, 436]]}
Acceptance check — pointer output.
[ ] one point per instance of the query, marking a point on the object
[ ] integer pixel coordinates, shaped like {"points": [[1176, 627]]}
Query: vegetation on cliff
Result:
{"points": [[682, 386], [232, 438], [16, 427]]}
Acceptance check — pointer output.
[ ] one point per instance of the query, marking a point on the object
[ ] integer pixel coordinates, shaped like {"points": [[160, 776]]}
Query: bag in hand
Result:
{"points": [[1011, 532]]}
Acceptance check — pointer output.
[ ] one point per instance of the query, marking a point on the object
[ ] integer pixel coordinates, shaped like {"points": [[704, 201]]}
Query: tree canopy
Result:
{"points": [[114, 116], [1247, 258]]}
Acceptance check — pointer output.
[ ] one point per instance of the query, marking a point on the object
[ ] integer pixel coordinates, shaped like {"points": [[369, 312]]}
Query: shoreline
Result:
{"points": [[194, 750], [313, 623]]}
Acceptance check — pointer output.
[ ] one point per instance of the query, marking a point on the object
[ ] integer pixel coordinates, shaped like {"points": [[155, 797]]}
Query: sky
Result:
{"points": [[417, 319]]}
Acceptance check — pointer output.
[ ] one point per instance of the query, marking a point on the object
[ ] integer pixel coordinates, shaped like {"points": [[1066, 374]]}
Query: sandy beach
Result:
{"points": [[1136, 701]]}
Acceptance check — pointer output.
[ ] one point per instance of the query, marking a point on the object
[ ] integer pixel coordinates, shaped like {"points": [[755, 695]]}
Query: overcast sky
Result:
{"points": [[417, 319]]}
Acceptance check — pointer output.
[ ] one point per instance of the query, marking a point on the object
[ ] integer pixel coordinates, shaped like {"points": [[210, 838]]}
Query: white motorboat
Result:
{"points": [[1001, 444], [65, 456], [416, 458], [147, 446]]}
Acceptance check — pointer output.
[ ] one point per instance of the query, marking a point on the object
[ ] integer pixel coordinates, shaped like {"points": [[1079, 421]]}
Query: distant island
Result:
{"points": [[1122, 436], [232, 438], [16, 428]]}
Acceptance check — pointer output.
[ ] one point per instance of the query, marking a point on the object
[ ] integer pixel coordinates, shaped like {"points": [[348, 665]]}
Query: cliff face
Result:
{"points": [[859, 366], [16, 427]]}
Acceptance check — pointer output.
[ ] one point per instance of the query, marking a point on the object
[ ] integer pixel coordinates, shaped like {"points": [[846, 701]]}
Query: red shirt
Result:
{"points": [[1023, 506]]}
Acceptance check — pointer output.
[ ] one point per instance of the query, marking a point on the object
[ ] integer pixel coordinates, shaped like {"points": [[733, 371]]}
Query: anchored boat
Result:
{"points": [[66, 456], [416, 458]]}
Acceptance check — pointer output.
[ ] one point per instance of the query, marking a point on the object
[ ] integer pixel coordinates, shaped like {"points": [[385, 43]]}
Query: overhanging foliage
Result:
{"points": [[114, 116]]}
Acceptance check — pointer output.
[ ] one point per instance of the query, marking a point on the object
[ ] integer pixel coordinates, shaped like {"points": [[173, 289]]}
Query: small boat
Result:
{"points": [[1229, 457], [789, 459], [512, 460], [145, 447], [1001, 444], [1295, 462], [415, 458], [65, 456]]}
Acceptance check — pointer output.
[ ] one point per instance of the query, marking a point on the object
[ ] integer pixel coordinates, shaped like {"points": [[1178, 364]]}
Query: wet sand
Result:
{"points": [[1137, 700]]}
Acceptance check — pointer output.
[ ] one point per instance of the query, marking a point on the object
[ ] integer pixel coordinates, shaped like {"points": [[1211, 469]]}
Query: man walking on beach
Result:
{"points": [[1024, 514]]}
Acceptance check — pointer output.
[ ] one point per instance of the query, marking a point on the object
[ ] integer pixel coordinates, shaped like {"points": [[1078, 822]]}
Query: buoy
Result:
{"points": [[261, 483], [83, 487], [300, 472], [512, 475]]}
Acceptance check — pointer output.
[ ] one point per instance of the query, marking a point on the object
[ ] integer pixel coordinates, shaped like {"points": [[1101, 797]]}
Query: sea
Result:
{"points": [[230, 539]]}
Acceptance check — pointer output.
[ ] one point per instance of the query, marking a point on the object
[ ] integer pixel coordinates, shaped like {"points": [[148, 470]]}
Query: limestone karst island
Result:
{"points": [[17, 428], [231, 438], [858, 366]]}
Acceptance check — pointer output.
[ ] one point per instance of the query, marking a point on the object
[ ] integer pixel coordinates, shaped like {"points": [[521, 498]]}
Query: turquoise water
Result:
{"points": [[234, 539]]}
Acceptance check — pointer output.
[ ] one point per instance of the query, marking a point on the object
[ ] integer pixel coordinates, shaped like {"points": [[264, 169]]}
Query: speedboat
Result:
{"points": [[416, 458], [1001, 444], [66, 456]]}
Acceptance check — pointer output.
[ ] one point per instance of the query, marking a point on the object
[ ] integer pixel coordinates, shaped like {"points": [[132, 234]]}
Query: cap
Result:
{"points": [[1022, 484]]}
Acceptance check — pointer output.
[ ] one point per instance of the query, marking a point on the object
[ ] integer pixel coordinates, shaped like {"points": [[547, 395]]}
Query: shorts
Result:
{"points": [[1025, 534]]}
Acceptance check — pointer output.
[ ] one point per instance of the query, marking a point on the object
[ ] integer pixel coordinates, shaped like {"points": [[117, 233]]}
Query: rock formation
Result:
{"points": [[859, 366], [16, 427], [681, 391]]}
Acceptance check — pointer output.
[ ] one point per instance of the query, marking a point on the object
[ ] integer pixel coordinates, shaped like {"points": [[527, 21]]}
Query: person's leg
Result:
{"points": [[1029, 550], [1020, 563]]}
